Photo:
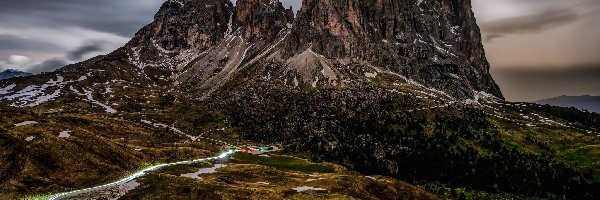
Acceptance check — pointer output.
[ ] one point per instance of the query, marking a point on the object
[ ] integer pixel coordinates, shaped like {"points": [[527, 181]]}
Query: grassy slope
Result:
{"points": [[240, 181], [100, 149], [578, 148], [97, 150]]}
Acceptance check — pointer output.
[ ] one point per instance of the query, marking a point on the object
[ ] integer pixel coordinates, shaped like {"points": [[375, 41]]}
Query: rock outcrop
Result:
{"points": [[261, 19], [436, 43], [181, 29]]}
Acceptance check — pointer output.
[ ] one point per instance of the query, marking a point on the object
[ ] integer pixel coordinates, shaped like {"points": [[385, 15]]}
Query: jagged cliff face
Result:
{"points": [[261, 19], [331, 43], [181, 29], [436, 43]]}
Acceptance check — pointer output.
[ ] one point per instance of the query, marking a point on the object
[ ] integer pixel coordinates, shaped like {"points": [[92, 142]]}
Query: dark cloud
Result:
{"points": [[90, 47], [71, 56], [78, 20], [13, 43], [114, 16], [537, 22], [530, 84], [49, 65]]}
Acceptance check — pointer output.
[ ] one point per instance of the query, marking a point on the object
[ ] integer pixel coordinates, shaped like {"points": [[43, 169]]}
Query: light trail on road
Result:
{"points": [[137, 175]]}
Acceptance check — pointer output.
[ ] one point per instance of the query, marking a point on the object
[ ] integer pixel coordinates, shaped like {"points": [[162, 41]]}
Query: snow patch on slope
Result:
{"points": [[90, 98], [64, 134], [6, 89], [307, 188], [25, 123], [159, 125], [35, 95], [212, 170]]}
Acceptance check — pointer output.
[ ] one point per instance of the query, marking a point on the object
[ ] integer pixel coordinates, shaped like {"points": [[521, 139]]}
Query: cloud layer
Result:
{"points": [[113, 16], [54, 33], [537, 22], [538, 18], [540, 33]]}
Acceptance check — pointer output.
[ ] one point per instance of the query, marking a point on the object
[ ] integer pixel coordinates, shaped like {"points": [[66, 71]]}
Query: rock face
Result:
{"points": [[261, 19], [331, 43], [436, 43], [181, 28]]}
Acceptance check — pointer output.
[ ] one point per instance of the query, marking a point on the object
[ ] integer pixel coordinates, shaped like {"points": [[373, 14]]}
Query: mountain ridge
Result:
{"points": [[334, 45], [11, 73], [585, 102]]}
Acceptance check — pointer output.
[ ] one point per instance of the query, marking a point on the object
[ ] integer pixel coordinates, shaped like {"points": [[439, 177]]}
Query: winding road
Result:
{"points": [[136, 175]]}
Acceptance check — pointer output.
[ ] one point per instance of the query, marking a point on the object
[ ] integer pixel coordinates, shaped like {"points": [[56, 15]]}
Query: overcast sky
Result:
{"points": [[537, 48]]}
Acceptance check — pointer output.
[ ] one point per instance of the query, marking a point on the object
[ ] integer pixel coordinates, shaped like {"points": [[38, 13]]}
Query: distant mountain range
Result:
{"points": [[587, 102], [10, 73]]}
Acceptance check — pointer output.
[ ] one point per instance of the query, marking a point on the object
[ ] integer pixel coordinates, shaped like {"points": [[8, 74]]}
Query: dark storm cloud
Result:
{"points": [[542, 15], [54, 33], [537, 22], [73, 55], [49, 65], [90, 47], [13, 43], [115, 16], [492, 36]]}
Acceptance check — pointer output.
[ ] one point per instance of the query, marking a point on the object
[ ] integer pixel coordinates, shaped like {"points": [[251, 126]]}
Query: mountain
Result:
{"points": [[212, 50], [347, 88], [589, 103], [10, 73], [329, 44]]}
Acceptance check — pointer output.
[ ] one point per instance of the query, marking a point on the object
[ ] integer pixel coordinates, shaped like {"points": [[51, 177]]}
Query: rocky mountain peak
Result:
{"points": [[433, 42], [339, 27], [180, 27], [181, 24]]}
